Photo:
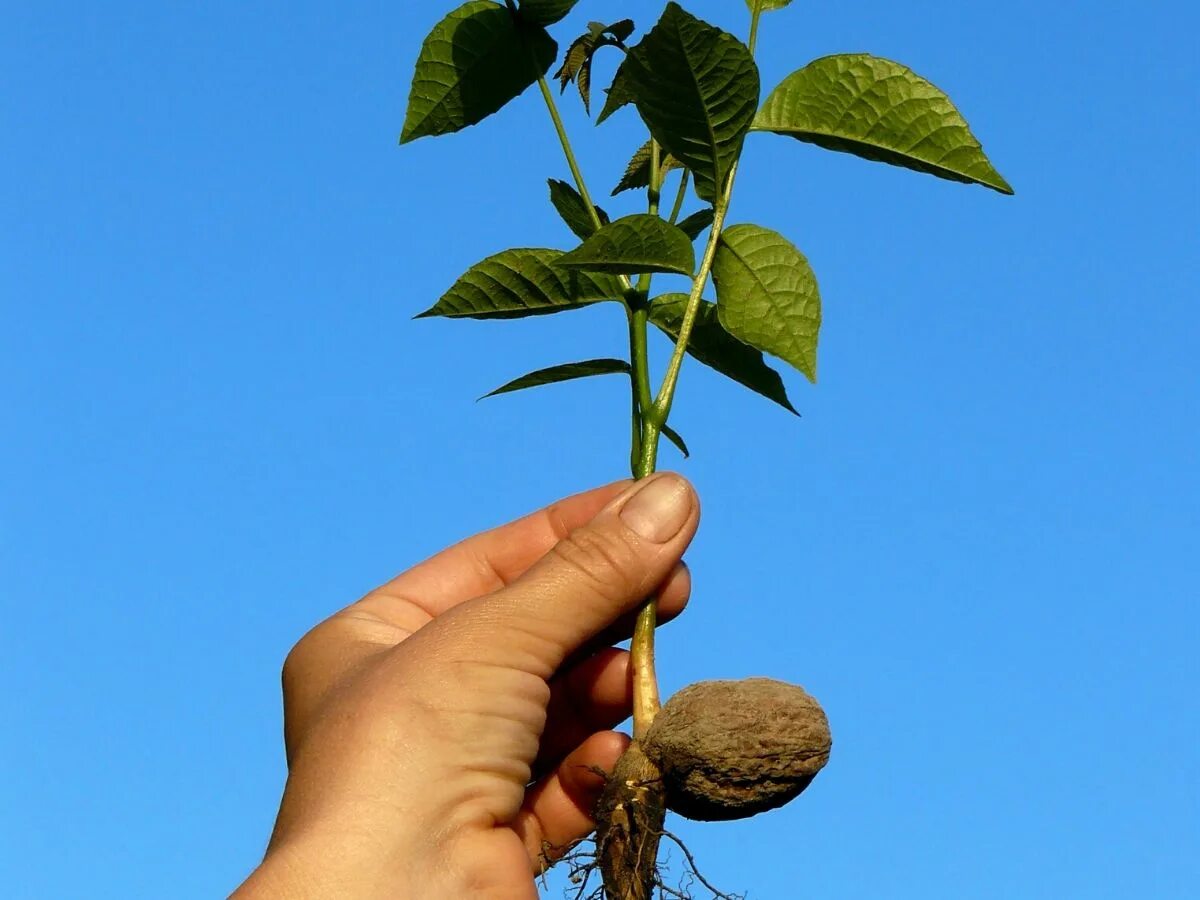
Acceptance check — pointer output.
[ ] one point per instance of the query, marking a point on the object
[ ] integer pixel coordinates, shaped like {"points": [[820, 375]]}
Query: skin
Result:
{"points": [[447, 734]]}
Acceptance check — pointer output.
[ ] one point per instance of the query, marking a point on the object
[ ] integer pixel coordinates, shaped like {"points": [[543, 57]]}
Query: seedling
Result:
{"points": [[718, 750]]}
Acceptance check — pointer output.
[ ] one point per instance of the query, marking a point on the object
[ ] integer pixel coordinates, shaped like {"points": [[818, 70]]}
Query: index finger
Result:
{"points": [[488, 561]]}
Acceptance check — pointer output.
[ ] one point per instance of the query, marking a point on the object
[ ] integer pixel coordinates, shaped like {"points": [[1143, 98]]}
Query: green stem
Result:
{"points": [[568, 151], [645, 684], [680, 197]]}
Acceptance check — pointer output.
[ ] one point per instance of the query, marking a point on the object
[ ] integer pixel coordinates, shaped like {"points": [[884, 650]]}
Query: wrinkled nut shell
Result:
{"points": [[733, 749]]}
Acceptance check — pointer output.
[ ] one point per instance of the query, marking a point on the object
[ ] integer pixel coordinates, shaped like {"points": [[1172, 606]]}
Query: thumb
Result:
{"points": [[596, 573]]}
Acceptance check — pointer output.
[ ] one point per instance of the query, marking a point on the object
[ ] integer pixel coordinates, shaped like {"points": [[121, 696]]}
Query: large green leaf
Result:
{"points": [[546, 12], [565, 372], [637, 173], [696, 87], [522, 282], [767, 295], [879, 110], [712, 345], [473, 62], [573, 210], [633, 245]]}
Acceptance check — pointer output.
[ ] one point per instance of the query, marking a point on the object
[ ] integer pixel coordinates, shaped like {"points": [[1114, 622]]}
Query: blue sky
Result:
{"points": [[978, 546]]}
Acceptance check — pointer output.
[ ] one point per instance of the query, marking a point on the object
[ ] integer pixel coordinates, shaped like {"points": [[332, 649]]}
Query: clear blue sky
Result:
{"points": [[978, 547]]}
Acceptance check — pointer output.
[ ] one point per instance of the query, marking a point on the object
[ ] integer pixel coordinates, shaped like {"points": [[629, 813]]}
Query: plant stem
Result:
{"points": [[680, 197], [645, 684], [572, 163]]}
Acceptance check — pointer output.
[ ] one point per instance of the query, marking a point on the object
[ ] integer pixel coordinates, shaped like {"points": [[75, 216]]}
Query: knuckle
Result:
{"points": [[604, 561], [297, 660]]}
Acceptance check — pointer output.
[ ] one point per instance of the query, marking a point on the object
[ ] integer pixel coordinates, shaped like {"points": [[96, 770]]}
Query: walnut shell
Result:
{"points": [[733, 749]]}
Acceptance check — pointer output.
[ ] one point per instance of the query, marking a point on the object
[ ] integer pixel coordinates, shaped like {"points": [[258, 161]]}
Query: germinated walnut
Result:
{"points": [[732, 749]]}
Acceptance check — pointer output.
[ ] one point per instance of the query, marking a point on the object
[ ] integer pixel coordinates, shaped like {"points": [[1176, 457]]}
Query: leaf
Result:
{"points": [[472, 64], [522, 282], [573, 210], [674, 437], [693, 226], [574, 60], [619, 31], [577, 63], [766, 5], [696, 87], [767, 295], [637, 173], [633, 245], [565, 372], [712, 345], [882, 111], [619, 94], [546, 12]]}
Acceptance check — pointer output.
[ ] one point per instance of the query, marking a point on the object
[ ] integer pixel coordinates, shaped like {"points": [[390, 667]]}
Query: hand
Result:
{"points": [[446, 734]]}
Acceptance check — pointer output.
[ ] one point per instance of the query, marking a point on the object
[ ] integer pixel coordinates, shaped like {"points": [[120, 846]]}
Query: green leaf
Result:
{"points": [[879, 110], [693, 226], [712, 345], [633, 245], [473, 62], [546, 12], [674, 437], [573, 210], [637, 173], [696, 87], [619, 31], [619, 94], [766, 5], [767, 295], [522, 282], [577, 62], [565, 372]]}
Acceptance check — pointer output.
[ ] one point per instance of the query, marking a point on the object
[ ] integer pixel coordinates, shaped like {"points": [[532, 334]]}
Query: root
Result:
{"points": [[629, 819], [582, 869], [693, 871]]}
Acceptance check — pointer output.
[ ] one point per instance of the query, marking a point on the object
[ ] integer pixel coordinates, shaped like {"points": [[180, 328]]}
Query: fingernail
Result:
{"points": [[659, 509]]}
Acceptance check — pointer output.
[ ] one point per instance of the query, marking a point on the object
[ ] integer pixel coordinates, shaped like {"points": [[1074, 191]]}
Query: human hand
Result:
{"points": [[446, 733]]}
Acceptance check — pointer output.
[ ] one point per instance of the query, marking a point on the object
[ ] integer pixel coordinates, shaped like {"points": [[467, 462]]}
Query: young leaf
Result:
{"points": [[633, 245], [522, 282], [674, 437], [715, 347], [766, 5], [696, 87], [693, 226], [577, 63], [573, 210], [879, 110], [546, 12], [565, 372], [473, 62], [637, 173], [767, 295]]}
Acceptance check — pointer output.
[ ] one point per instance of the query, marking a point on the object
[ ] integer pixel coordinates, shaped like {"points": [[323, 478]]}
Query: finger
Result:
{"points": [[672, 598], [593, 691], [485, 562], [593, 695], [598, 573], [557, 811]]}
